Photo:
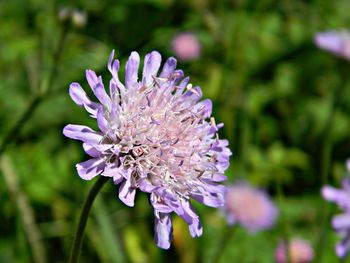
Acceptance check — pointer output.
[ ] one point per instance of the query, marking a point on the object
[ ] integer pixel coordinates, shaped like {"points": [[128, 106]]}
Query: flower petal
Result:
{"points": [[183, 85], [196, 228], [178, 75], [117, 178], [91, 78], [97, 87], [82, 133], [90, 150], [187, 213], [204, 107], [341, 250], [79, 96], [163, 230], [102, 95], [112, 67], [127, 193], [132, 70], [102, 123], [146, 186], [210, 199], [159, 205], [346, 184], [96, 150], [330, 41], [168, 67], [112, 170], [341, 221], [90, 168], [150, 68], [343, 247], [334, 194], [215, 177]]}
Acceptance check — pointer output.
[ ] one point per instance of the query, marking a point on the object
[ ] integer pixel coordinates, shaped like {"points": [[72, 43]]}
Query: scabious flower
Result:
{"points": [[154, 135], [251, 208], [341, 223], [300, 251], [336, 42], [186, 46]]}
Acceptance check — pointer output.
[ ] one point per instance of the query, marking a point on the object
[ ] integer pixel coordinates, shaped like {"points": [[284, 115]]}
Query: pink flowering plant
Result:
{"points": [[155, 135], [299, 251], [249, 207], [186, 46]]}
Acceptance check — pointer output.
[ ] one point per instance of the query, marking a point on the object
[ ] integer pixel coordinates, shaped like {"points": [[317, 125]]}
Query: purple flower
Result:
{"points": [[300, 251], [249, 207], [335, 42], [154, 135], [186, 46], [341, 223]]}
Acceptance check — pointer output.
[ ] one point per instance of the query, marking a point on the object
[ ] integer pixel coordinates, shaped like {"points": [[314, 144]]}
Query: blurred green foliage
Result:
{"points": [[273, 89]]}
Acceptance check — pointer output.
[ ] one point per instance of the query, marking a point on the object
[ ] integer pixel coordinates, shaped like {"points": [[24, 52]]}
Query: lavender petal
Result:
{"points": [[132, 69], [90, 168], [168, 68], [341, 222], [79, 96], [150, 68], [90, 150], [127, 193], [163, 230], [102, 122], [82, 133]]}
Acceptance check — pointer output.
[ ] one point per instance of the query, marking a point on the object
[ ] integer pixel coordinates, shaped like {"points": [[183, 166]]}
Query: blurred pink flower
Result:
{"points": [[252, 208], [300, 251], [336, 42], [186, 46]]}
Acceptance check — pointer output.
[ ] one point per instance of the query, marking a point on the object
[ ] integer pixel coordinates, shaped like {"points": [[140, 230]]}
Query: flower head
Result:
{"points": [[335, 42], [341, 223], [300, 251], [186, 46], [154, 135], [249, 207]]}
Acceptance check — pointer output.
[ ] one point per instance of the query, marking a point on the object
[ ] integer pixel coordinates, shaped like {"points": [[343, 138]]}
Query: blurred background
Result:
{"points": [[283, 101]]}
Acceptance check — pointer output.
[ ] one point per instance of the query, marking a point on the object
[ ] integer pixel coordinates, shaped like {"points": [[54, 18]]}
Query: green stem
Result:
{"points": [[74, 256]]}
